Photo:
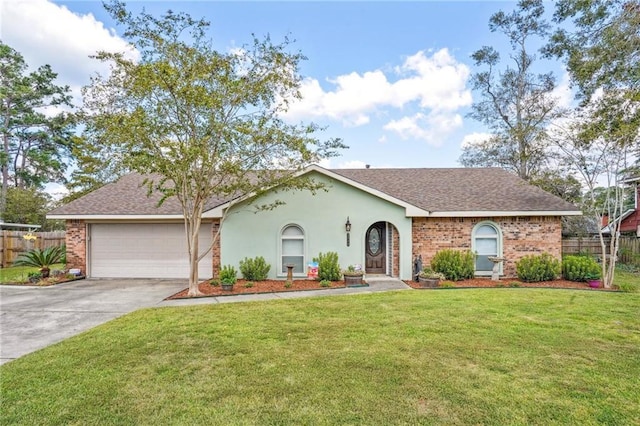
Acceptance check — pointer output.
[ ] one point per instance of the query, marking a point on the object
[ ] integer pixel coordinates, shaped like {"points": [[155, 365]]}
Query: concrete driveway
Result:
{"points": [[32, 318]]}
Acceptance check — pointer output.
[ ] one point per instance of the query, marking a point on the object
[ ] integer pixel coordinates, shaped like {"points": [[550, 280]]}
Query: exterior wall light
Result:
{"points": [[347, 227]]}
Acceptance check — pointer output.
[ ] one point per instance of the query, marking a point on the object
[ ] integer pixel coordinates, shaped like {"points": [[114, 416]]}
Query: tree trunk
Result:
{"points": [[5, 170], [192, 225]]}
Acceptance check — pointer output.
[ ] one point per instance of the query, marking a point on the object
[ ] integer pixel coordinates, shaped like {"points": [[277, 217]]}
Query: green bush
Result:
{"points": [[456, 265], [580, 268], [328, 266], [228, 275], [42, 259], [535, 268], [255, 269]]}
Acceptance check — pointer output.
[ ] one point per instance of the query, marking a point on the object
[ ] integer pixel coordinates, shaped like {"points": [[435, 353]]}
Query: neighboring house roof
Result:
{"points": [[424, 192]]}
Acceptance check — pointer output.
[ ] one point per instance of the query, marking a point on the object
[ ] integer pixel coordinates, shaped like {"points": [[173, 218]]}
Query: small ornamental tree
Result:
{"points": [[200, 123]]}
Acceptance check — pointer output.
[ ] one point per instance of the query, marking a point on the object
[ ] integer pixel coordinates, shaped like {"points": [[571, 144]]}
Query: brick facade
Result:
{"points": [[395, 252], [76, 242], [215, 250], [520, 236]]}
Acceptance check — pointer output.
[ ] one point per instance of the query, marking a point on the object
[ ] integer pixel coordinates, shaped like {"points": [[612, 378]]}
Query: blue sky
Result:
{"points": [[392, 79]]}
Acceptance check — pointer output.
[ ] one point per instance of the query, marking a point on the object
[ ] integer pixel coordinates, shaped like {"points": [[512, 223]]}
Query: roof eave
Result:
{"points": [[495, 213], [115, 216]]}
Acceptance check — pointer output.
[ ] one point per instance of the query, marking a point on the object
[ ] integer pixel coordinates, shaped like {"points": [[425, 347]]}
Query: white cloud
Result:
{"points": [[563, 92], [56, 190], [436, 82], [431, 128], [47, 33], [475, 138]]}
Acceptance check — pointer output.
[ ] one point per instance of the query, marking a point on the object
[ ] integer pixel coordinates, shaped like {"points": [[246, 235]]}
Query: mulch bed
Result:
{"points": [[488, 283], [274, 286], [46, 282], [267, 286]]}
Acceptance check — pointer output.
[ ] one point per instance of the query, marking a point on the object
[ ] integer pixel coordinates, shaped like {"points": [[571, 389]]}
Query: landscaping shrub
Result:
{"points": [[255, 269], [42, 259], [456, 265], [535, 268], [580, 268], [328, 266], [228, 275]]}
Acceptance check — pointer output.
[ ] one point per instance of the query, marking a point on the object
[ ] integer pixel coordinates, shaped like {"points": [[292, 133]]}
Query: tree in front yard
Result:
{"points": [[202, 124], [595, 159]]}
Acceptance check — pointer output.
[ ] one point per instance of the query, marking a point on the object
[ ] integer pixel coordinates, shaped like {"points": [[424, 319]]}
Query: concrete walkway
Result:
{"points": [[32, 318]]}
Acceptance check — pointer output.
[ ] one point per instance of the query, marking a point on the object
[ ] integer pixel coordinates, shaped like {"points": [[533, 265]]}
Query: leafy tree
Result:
{"points": [[597, 160], [560, 184], [515, 104], [30, 205], [601, 50], [198, 122], [35, 138]]}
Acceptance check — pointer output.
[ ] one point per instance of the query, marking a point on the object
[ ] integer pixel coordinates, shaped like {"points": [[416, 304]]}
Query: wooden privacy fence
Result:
{"points": [[628, 252], [13, 243]]}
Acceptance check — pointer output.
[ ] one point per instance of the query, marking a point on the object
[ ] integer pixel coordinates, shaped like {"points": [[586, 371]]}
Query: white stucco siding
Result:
{"points": [[322, 218]]}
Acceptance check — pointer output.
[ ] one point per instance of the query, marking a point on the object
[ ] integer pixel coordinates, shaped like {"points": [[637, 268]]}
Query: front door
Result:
{"points": [[376, 257]]}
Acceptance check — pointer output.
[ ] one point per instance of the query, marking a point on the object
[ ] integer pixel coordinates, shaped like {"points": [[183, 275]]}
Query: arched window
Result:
{"points": [[292, 249], [486, 242]]}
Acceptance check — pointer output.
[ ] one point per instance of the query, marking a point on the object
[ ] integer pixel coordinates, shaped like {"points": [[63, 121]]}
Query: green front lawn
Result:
{"points": [[20, 273], [626, 280], [480, 356]]}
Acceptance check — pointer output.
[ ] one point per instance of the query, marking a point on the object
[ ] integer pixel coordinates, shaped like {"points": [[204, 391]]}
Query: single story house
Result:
{"points": [[380, 219]]}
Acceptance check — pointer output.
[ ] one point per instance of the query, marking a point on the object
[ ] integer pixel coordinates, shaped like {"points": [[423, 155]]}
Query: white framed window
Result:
{"points": [[292, 249], [486, 241]]}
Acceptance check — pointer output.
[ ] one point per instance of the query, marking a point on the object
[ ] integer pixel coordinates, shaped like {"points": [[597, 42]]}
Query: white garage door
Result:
{"points": [[144, 251]]}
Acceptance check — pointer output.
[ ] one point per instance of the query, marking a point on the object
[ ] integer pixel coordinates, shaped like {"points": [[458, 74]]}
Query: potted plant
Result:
{"points": [[353, 276], [228, 277], [428, 278], [593, 279]]}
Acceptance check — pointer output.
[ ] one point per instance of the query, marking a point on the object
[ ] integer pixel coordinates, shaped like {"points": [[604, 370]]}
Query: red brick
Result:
{"points": [[521, 236]]}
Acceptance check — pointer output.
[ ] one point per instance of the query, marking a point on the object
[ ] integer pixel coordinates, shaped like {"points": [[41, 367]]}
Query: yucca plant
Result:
{"points": [[42, 259]]}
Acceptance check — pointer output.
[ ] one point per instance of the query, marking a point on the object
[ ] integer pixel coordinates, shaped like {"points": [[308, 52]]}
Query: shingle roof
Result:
{"points": [[459, 189], [126, 196], [435, 190]]}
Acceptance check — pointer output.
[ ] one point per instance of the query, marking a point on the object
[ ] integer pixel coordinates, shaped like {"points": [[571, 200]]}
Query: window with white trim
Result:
{"points": [[292, 249], [486, 242]]}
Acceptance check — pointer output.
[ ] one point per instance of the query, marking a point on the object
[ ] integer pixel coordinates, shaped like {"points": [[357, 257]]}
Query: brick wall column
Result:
{"points": [[76, 242], [215, 250], [395, 259]]}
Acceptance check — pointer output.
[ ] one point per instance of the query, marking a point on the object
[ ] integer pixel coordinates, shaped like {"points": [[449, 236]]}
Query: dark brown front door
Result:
{"points": [[376, 249]]}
